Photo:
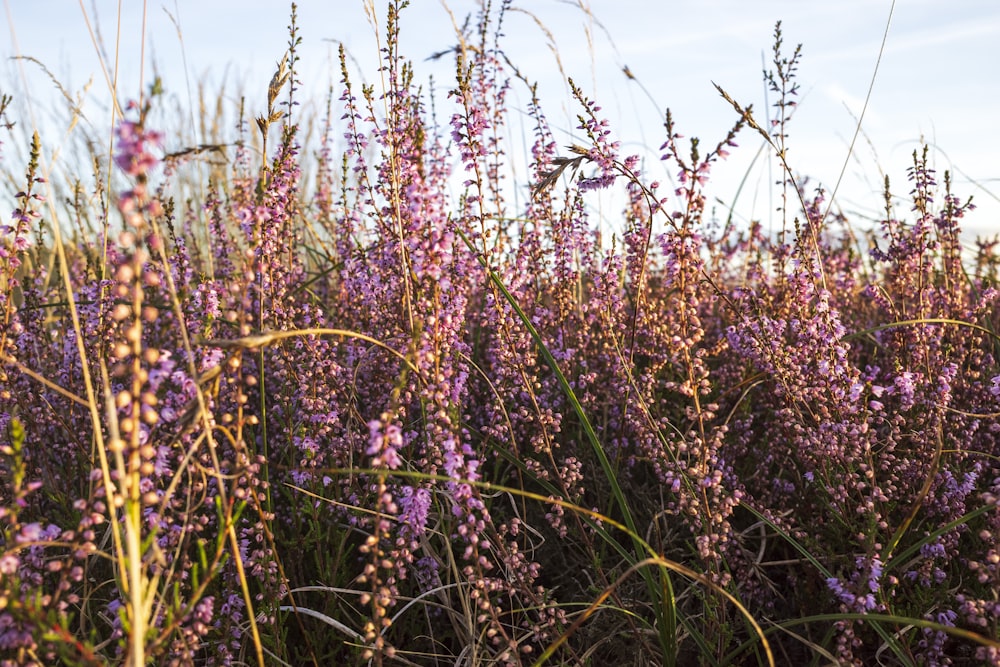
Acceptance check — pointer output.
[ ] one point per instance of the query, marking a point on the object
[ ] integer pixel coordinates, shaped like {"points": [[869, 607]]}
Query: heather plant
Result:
{"points": [[419, 411]]}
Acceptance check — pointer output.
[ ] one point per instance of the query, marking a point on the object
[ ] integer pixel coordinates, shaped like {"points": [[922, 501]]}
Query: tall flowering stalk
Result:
{"points": [[132, 410], [15, 242]]}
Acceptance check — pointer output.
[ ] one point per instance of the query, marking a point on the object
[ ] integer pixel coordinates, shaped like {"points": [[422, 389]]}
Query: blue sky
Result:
{"points": [[937, 80]]}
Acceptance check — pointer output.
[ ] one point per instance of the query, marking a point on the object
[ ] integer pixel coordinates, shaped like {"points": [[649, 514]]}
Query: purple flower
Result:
{"points": [[837, 588], [31, 532], [905, 385], [8, 563], [414, 508], [134, 140], [383, 443]]}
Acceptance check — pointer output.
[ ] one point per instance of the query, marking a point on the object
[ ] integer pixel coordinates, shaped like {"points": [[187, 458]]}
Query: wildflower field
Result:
{"points": [[379, 397]]}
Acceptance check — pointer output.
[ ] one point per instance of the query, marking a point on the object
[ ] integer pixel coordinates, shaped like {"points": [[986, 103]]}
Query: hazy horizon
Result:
{"points": [[933, 84]]}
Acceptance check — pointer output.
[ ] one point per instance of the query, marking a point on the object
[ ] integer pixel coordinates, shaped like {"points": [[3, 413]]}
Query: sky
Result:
{"points": [[937, 79]]}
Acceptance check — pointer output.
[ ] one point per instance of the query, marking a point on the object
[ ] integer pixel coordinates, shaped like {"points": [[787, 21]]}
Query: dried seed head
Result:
{"points": [[277, 81]]}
